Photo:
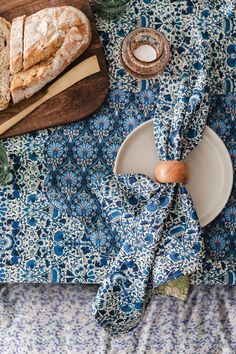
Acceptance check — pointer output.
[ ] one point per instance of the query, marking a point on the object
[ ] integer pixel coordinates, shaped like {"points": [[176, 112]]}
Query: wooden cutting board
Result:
{"points": [[77, 102]]}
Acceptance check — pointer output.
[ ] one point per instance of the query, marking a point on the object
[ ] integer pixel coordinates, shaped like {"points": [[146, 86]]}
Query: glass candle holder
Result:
{"points": [[5, 174], [144, 53], [109, 8]]}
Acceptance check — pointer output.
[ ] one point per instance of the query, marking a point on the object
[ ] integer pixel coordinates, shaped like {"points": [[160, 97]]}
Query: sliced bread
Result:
{"points": [[16, 44], [45, 32], [5, 28], [53, 38]]}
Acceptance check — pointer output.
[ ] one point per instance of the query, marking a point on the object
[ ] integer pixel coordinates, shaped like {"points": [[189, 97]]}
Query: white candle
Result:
{"points": [[145, 52]]}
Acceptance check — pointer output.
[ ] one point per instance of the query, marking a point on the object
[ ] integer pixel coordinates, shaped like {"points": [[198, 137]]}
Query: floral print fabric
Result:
{"points": [[56, 318], [51, 224]]}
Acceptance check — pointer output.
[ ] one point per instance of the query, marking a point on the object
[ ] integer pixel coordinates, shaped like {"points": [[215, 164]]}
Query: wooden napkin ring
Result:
{"points": [[172, 172]]}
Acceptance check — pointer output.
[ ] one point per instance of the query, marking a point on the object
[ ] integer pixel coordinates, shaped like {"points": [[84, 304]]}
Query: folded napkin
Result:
{"points": [[157, 222]]}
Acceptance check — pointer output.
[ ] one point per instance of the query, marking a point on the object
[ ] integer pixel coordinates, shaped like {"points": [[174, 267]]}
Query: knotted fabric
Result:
{"points": [[157, 222]]}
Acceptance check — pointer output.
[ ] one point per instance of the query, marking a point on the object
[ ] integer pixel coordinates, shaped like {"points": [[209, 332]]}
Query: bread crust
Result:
{"points": [[66, 36], [5, 28], [16, 44], [45, 32]]}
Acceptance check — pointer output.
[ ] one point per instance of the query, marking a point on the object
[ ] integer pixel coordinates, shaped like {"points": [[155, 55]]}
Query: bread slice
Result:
{"points": [[5, 28], [16, 44], [53, 38]]}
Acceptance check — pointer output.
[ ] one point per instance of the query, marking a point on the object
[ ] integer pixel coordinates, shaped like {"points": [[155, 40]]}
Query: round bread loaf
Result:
{"points": [[53, 38]]}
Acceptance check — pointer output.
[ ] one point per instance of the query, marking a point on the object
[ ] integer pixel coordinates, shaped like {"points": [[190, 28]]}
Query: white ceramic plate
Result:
{"points": [[211, 169]]}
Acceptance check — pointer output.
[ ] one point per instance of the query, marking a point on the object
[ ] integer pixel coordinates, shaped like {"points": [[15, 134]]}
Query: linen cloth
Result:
{"points": [[52, 319], [51, 224]]}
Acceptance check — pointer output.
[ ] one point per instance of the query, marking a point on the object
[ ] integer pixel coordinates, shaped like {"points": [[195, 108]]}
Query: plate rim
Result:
{"points": [[210, 216]]}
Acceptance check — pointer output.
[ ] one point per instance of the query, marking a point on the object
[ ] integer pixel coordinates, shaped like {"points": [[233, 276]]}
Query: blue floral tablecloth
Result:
{"points": [[56, 318], [51, 225]]}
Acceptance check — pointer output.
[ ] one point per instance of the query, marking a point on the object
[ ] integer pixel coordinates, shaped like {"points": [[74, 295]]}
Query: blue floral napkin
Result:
{"points": [[159, 225]]}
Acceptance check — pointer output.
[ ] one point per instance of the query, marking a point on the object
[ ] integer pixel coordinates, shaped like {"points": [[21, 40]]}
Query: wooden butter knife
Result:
{"points": [[88, 67]]}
